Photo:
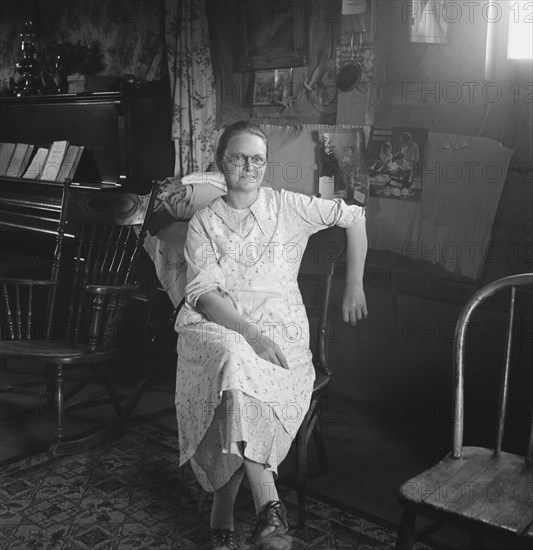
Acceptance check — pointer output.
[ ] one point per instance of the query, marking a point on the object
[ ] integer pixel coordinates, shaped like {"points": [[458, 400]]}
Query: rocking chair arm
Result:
{"points": [[26, 282], [110, 289]]}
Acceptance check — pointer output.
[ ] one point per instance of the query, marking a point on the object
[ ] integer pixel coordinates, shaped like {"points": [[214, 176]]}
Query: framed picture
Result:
{"points": [[272, 87], [428, 24], [274, 38]]}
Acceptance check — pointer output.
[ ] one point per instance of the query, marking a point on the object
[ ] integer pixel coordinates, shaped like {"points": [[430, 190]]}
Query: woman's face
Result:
{"points": [[247, 177]]}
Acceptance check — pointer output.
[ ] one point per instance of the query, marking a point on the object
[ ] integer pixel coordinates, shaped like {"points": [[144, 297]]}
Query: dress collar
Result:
{"points": [[233, 217]]}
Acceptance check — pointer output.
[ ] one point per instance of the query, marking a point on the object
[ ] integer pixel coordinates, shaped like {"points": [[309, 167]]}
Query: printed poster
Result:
{"points": [[395, 158]]}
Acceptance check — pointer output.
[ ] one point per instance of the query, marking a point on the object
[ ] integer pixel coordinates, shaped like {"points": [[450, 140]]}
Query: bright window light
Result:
{"points": [[520, 43]]}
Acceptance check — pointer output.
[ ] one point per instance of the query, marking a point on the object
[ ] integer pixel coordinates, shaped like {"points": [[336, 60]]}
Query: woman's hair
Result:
{"points": [[238, 129], [406, 136]]}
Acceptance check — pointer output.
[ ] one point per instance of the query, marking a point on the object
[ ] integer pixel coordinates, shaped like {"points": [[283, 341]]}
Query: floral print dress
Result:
{"points": [[230, 403]]}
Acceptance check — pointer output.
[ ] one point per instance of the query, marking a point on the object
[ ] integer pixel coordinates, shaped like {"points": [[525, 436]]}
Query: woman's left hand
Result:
{"points": [[354, 305]]}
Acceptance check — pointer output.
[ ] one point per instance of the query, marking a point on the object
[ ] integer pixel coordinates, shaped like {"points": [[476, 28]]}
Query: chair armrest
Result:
{"points": [[27, 282], [321, 361], [324, 324], [110, 289]]}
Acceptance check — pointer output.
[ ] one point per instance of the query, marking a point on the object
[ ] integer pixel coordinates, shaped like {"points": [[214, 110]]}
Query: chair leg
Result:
{"points": [[202, 499], [59, 401], [320, 447], [302, 471], [406, 531]]}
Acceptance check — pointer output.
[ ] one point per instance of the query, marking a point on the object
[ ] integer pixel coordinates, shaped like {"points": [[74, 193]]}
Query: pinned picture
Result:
{"points": [[272, 87], [395, 162]]}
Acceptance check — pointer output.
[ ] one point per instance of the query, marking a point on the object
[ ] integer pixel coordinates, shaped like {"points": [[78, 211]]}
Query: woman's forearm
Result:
{"points": [[356, 247], [220, 310], [354, 301]]}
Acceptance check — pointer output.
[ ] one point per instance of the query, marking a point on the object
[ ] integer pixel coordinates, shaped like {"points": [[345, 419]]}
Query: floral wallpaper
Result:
{"points": [[129, 33]]}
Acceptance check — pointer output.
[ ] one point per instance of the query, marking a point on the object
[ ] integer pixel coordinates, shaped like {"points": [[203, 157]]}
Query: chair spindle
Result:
{"points": [[18, 314], [504, 386], [9, 318], [118, 259], [103, 267]]}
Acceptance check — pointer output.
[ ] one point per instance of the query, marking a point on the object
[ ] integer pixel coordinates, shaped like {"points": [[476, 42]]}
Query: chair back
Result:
{"points": [[320, 265], [99, 238], [508, 285]]}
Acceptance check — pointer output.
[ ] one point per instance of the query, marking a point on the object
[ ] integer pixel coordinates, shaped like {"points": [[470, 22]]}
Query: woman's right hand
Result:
{"points": [[267, 349], [221, 310]]}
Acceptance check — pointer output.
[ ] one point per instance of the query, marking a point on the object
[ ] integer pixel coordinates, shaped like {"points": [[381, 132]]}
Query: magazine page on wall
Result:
{"points": [[395, 157], [343, 165]]}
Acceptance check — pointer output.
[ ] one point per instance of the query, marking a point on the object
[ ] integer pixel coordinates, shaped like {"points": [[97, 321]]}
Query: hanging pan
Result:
{"points": [[322, 86], [350, 73]]}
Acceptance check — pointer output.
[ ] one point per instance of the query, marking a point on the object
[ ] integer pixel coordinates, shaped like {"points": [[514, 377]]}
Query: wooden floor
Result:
{"points": [[369, 456]]}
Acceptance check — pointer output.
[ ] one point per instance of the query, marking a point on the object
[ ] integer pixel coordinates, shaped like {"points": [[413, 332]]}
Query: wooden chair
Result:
{"points": [[320, 265], [74, 317], [488, 492]]}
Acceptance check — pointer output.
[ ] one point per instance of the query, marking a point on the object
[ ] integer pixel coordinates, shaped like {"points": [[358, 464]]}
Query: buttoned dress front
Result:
{"points": [[231, 403]]}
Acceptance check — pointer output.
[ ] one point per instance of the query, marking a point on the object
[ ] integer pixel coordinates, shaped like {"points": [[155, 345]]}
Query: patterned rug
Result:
{"points": [[129, 494]]}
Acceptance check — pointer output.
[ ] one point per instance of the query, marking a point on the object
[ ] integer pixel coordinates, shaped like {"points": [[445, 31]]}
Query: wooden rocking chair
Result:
{"points": [[74, 317]]}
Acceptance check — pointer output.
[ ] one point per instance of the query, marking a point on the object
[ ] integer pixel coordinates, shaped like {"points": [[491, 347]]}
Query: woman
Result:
{"points": [[245, 376], [409, 149]]}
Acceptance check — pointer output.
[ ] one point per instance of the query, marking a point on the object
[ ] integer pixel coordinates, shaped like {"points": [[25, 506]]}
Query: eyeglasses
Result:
{"points": [[240, 159]]}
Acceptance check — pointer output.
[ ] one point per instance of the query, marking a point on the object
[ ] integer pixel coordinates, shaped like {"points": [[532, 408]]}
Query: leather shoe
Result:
{"points": [[223, 539], [273, 515]]}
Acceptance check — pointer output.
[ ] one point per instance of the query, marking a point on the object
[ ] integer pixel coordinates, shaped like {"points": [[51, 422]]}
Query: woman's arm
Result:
{"points": [[354, 301], [220, 310]]}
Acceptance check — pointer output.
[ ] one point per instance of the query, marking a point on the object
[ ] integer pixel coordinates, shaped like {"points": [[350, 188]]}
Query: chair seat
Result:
{"points": [[480, 486], [53, 351]]}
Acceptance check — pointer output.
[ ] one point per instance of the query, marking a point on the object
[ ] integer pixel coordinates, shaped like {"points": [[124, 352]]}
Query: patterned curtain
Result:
{"points": [[192, 84]]}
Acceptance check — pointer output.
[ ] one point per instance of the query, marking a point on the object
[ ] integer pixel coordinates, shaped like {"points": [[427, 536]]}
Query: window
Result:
{"points": [[520, 30], [509, 54]]}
